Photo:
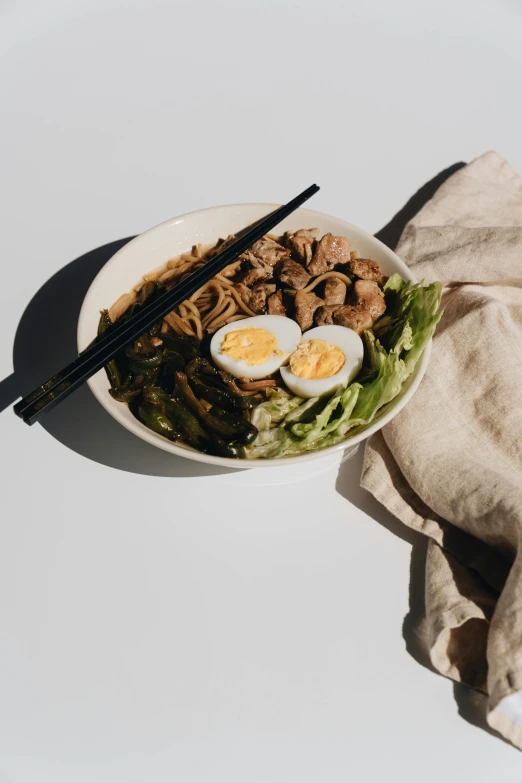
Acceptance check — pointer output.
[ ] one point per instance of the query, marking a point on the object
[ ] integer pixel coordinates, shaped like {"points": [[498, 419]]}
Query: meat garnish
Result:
{"points": [[260, 293], [324, 316], [244, 292], [221, 245], [354, 317], [365, 268], [254, 271], [275, 304], [371, 296], [268, 250], [291, 273], [329, 252], [334, 291], [302, 243], [305, 306]]}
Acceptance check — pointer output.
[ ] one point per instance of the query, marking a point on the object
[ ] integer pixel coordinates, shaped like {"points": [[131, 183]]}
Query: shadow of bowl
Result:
{"points": [[45, 341]]}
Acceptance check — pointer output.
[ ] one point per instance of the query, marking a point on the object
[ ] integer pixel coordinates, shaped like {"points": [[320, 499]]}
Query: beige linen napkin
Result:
{"points": [[450, 464]]}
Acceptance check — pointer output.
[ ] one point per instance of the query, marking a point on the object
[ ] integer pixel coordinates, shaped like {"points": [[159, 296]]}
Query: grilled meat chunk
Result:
{"points": [[324, 316], [291, 273], [369, 295], [365, 268], [330, 251], [275, 304], [334, 291], [268, 250], [354, 317], [253, 272], [260, 293], [305, 306], [302, 243]]}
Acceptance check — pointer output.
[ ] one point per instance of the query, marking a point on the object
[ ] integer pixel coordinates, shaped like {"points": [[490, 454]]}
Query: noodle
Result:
{"points": [[325, 276], [178, 324], [223, 318], [225, 305], [121, 304], [247, 385]]}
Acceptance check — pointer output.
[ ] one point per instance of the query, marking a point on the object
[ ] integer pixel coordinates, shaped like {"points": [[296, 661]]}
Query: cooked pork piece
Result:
{"points": [[324, 316], [354, 317], [268, 250], [369, 295], [291, 273], [275, 304], [244, 292], [252, 272], [330, 250], [260, 293], [365, 268], [221, 245], [334, 291], [305, 307], [302, 243]]}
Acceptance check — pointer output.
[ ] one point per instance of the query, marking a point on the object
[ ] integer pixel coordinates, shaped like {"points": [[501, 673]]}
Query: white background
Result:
{"points": [[161, 625]]}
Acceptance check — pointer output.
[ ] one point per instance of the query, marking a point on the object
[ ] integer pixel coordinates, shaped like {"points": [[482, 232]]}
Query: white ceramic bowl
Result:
{"points": [[154, 247]]}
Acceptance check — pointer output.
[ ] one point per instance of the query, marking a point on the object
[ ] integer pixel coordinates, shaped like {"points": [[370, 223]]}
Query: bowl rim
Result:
{"points": [[154, 439]]}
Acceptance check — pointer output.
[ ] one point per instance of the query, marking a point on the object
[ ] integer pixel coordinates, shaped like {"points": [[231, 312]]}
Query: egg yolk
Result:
{"points": [[252, 346], [316, 359]]}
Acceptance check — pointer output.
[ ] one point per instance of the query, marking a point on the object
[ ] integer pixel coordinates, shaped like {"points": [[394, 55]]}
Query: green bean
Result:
{"points": [[248, 431], [156, 420], [223, 449], [150, 290], [192, 430], [111, 368], [177, 413], [187, 346], [124, 393], [155, 395], [209, 385], [173, 360], [155, 330], [143, 355], [232, 429], [133, 386], [146, 362]]}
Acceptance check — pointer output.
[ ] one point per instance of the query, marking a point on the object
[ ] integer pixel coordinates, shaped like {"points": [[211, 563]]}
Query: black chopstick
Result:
{"points": [[57, 388]]}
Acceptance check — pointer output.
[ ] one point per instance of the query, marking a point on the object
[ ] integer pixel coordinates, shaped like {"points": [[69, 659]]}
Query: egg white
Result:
{"points": [[286, 332], [350, 344]]}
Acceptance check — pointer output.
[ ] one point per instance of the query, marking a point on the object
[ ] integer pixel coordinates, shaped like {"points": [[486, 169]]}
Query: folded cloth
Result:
{"points": [[450, 464]]}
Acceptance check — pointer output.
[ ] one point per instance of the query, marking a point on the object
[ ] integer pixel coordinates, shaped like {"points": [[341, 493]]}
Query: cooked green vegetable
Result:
{"points": [[187, 346], [178, 414], [111, 368], [156, 420], [228, 428], [209, 385]]}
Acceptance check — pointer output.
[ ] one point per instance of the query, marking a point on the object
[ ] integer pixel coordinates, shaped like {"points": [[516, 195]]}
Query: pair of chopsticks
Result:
{"points": [[57, 388]]}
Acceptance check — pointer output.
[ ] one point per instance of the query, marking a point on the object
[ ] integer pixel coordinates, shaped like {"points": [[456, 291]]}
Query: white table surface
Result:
{"points": [[157, 624]]}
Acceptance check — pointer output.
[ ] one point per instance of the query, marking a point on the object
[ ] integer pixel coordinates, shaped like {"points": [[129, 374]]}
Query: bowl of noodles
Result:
{"points": [[307, 344]]}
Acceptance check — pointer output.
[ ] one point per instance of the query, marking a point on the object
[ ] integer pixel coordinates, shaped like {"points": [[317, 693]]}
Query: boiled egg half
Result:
{"points": [[255, 347], [326, 359]]}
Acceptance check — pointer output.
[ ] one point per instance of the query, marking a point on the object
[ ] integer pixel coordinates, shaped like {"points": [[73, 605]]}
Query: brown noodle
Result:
{"points": [[213, 305]]}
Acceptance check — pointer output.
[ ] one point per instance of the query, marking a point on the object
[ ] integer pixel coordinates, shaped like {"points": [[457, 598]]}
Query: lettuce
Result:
{"points": [[279, 404], [287, 424]]}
